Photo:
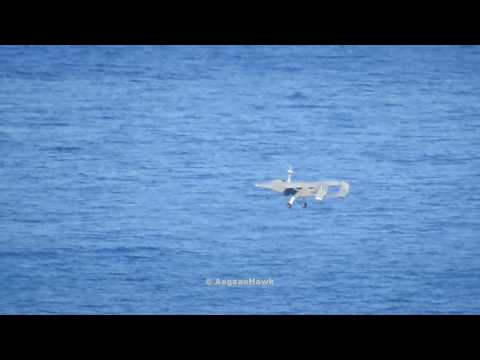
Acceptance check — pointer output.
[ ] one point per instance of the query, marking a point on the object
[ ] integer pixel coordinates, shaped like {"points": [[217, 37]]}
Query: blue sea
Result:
{"points": [[127, 179]]}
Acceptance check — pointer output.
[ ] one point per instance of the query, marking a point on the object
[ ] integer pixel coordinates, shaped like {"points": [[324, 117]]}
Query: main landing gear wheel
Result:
{"points": [[289, 205], [304, 205]]}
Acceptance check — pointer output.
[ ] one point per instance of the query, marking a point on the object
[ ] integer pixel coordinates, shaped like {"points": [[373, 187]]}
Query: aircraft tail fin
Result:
{"points": [[344, 189]]}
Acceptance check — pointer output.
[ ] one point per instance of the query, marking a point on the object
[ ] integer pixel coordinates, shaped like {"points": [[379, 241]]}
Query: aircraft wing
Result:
{"points": [[275, 185]]}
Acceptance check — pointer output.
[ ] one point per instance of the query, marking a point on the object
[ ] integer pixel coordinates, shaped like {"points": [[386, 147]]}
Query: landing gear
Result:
{"points": [[290, 202]]}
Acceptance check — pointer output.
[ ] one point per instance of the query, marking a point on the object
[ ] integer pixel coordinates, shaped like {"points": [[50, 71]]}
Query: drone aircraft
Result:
{"points": [[303, 189]]}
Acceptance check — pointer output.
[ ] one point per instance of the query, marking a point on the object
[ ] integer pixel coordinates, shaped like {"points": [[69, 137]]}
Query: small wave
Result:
{"points": [[63, 149]]}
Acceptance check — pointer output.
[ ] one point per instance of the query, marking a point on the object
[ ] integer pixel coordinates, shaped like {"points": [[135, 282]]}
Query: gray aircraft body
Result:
{"points": [[303, 189]]}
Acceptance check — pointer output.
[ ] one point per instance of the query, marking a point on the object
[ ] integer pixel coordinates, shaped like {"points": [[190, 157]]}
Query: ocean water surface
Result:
{"points": [[127, 179]]}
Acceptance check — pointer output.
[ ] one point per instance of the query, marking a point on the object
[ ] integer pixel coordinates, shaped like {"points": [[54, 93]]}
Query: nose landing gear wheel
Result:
{"points": [[289, 205], [304, 205]]}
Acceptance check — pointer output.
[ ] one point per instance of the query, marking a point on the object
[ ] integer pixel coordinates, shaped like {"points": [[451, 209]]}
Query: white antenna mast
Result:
{"points": [[290, 173]]}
